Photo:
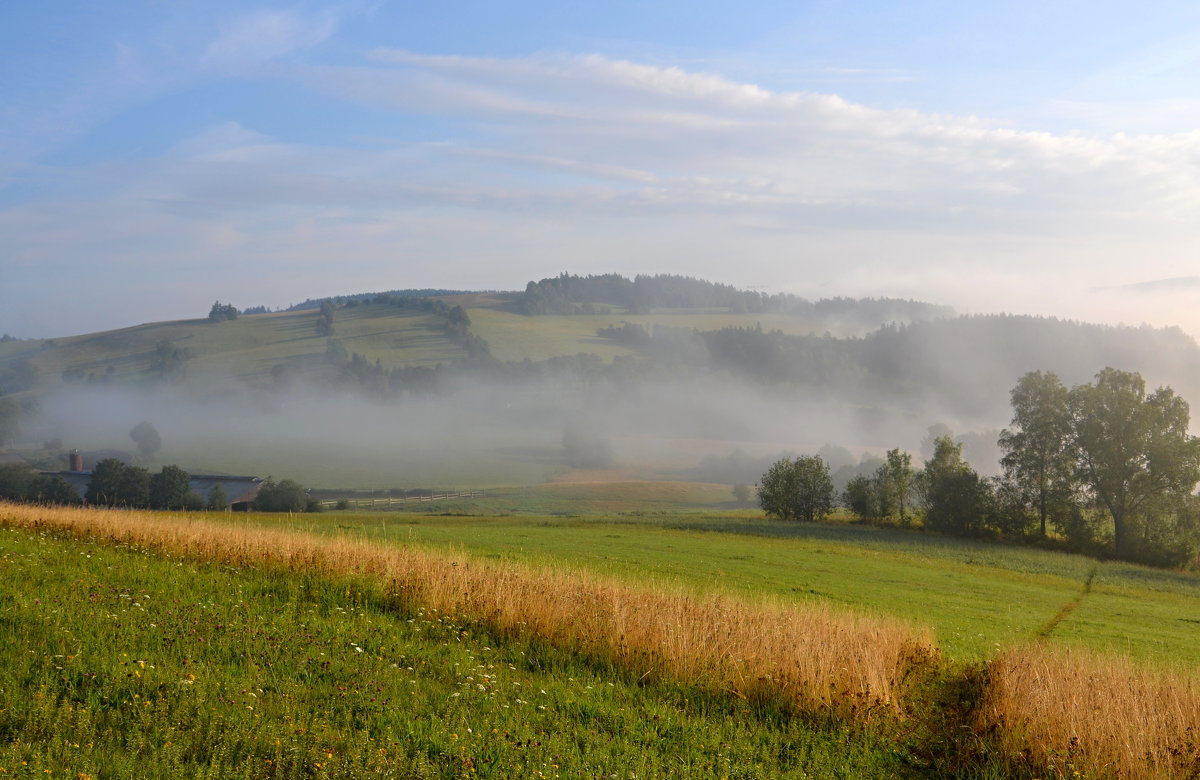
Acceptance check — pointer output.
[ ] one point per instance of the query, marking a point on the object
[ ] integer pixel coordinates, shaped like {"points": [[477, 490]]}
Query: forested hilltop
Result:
{"points": [[569, 294]]}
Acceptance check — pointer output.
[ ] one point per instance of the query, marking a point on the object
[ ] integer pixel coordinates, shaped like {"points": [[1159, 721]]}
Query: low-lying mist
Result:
{"points": [[480, 435]]}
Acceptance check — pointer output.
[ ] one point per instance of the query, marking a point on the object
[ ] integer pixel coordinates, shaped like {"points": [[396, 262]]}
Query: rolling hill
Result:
{"points": [[472, 389]]}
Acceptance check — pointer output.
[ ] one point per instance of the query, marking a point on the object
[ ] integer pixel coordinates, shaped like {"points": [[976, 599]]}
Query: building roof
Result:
{"points": [[237, 490]]}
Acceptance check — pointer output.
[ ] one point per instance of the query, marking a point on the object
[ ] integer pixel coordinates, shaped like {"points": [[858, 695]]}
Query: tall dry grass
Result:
{"points": [[805, 657], [1100, 716]]}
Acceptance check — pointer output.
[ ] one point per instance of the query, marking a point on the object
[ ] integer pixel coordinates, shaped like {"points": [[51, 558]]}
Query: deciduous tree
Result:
{"points": [[895, 483], [171, 488], [283, 496], [861, 497], [1038, 461], [956, 499], [146, 437], [1136, 456], [799, 489], [217, 500], [114, 483]]}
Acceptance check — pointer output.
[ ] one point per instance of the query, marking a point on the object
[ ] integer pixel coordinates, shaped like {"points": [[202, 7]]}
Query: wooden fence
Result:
{"points": [[389, 501]]}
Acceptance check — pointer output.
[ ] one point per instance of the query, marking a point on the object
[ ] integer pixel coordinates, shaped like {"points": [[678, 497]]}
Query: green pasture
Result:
{"points": [[978, 597], [561, 498], [119, 664], [245, 349], [297, 457], [516, 336]]}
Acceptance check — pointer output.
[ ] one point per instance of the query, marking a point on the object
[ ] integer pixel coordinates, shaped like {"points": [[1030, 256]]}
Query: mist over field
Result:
{"points": [[698, 391], [477, 434]]}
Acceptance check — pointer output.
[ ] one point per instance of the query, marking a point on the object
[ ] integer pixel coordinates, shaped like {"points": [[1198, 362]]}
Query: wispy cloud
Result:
{"points": [[1175, 284], [584, 162], [796, 147], [263, 35]]}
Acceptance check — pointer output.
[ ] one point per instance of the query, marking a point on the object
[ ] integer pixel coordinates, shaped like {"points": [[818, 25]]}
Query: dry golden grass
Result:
{"points": [[1099, 716], [805, 657]]}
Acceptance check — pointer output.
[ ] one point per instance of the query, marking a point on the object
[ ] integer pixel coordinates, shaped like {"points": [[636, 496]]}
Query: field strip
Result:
{"points": [[805, 657], [1034, 708], [1045, 631], [1094, 716]]}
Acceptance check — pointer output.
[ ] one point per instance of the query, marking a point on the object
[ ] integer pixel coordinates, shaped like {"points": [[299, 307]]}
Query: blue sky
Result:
{"points": [[1029, 157]]}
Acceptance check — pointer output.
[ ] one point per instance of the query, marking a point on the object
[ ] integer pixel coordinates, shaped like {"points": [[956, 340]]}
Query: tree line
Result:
{"points": [[114, 483], [597, 294], [1104, 467]]}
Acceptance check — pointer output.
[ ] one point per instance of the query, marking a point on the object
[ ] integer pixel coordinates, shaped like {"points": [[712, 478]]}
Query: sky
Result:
{"points": [[1027, 157]]}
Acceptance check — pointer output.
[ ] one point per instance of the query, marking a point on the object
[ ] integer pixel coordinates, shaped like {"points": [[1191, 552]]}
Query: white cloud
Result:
{"points": [[264, 35], [590, 164], [682, 127]]}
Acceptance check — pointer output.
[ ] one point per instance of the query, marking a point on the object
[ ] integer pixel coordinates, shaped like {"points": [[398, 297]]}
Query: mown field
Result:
{"points": [[166, 645]]}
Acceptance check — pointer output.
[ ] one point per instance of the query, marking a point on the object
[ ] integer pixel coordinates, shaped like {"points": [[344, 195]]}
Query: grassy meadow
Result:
{"points": [[240, 352], [135, 651], [515, 336], [393, 644], [978, 598]]}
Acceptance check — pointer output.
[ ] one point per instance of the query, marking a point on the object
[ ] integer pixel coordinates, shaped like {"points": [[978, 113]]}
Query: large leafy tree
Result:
{"points": [[1136, 456], [217, 500], [894, 480], [114, 483], [171, 488], [52, 489], [956, 499], [861, 497], [799, 489], [1038, 462], [283, 496], [15, 481]]}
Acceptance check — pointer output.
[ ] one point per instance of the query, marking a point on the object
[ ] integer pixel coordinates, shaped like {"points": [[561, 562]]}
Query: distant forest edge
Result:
{"points": [[568, 294], [315, 303]]}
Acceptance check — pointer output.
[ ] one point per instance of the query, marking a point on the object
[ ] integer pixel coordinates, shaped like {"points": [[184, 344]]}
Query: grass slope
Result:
{"points": [[245, 350], [124, 664], [979, 598], [239, 351], [515, 336], [850, 696]]}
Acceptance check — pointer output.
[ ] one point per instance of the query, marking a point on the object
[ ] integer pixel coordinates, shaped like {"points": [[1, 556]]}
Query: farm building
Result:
{"points": [[239, 491]]}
